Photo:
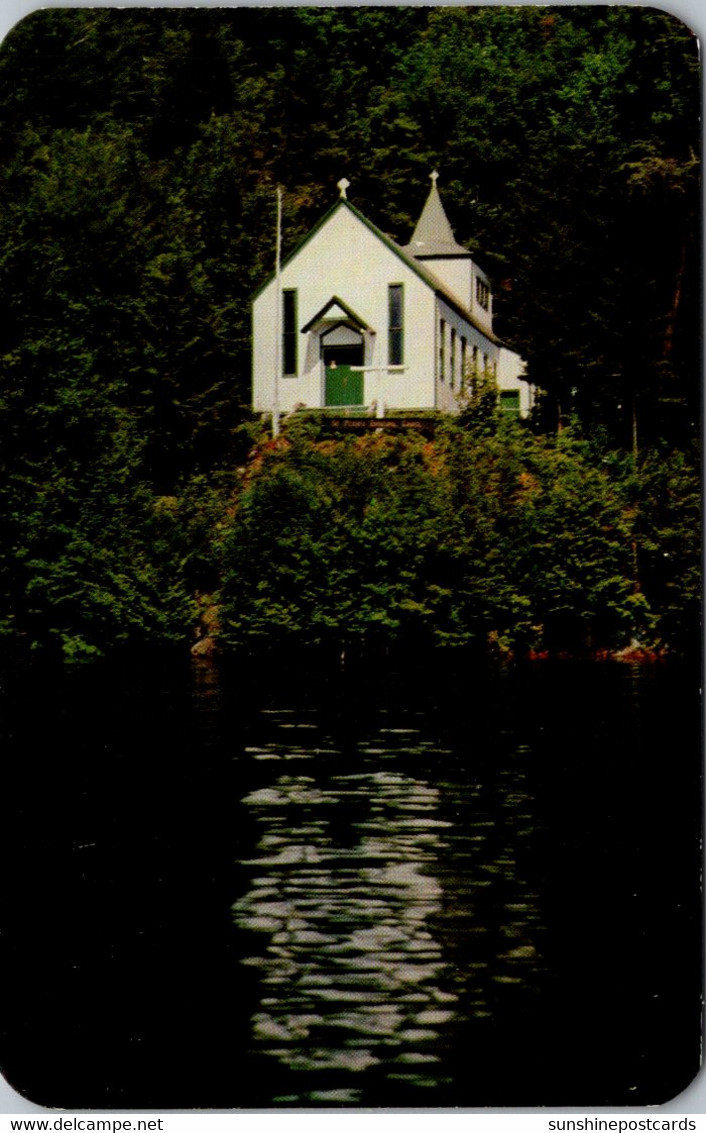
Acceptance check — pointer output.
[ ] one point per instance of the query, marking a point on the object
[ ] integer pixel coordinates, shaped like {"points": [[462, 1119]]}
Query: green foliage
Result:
{"points": [[330, 543], [140, 150], [668, 540], [567, 141], [396, 541], [478, 403]]}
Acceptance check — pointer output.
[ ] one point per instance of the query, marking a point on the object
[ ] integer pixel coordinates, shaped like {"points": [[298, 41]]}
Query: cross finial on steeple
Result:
{"points": [[433, 234], [343, 185]]}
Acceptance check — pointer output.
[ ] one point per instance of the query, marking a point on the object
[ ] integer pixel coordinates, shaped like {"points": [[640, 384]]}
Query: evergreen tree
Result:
{"points": [[140, 152]]}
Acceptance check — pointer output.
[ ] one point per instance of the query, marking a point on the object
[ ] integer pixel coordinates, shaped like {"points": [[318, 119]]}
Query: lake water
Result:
{"points": [[443, 886]]}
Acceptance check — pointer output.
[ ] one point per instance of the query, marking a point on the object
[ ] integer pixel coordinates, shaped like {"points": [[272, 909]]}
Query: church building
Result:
{"points": [[355, 320]]}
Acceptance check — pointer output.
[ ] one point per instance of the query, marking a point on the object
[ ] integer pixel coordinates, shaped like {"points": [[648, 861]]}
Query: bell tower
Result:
{"points": [[434, 245]]}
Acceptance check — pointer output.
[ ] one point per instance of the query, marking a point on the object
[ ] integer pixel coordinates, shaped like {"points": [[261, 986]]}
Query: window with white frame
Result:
{"points": [[289, 333], [395, 324]]}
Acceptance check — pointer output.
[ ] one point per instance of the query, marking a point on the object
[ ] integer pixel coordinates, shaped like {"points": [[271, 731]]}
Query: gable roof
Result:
{"points": [[414, 265], [336, 311]]}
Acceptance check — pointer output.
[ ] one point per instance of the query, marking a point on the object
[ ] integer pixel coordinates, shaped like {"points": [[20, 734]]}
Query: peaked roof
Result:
{"points": [[404, 254], [423, 271], [335, 311], [433, 235]]}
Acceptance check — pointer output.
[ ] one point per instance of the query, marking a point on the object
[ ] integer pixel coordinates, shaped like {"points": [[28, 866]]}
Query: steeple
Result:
{"points": [[433, 235], [434, 246]]}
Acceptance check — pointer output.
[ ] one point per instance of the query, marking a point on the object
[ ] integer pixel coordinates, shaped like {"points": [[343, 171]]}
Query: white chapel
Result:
{"points": [[364, 322]]}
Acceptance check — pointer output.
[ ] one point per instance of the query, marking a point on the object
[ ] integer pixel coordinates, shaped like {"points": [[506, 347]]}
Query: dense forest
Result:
{"points": [[140, 154]]}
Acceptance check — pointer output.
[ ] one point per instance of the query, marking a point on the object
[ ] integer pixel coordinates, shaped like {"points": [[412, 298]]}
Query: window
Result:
{"points": [[395, 324], [452, 358], [442, 349], [289, 333], [482, 294], [510, 400], [464, 359]]}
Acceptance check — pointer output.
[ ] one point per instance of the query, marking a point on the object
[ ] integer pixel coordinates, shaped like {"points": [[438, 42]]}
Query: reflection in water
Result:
{"points": [[388, 906], [491, 900]]}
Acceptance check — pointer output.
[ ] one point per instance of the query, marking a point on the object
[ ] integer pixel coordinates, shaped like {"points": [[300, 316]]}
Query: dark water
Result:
{"points": [[438, 887]]}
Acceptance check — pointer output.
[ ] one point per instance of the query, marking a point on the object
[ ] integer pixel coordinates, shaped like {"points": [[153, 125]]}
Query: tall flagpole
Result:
{"points": [[278, 316]]}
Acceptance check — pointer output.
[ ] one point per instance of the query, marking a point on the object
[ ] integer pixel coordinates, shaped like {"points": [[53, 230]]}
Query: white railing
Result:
{"points": [[376, 401]]}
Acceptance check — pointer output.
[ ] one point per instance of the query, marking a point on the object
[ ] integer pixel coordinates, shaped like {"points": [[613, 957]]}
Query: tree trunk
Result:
{"points": [[674, 309]]}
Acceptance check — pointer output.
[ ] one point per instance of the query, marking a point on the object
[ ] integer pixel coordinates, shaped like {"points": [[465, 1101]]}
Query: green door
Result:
{"points": [[344, 386]]}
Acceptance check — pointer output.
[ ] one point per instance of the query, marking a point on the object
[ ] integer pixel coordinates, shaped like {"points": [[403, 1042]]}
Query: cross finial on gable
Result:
{"points": [[434, 177], [343, 185]]}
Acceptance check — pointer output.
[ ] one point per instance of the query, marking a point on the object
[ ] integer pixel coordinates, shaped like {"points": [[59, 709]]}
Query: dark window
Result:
{"points": [[395, 324], [482, 294], [289, 333], [452, 360], [442, 349], [464, 359]]}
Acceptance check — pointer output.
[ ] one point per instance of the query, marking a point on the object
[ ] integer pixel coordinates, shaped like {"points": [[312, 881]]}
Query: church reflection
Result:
{"points": [[385, 911]]}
